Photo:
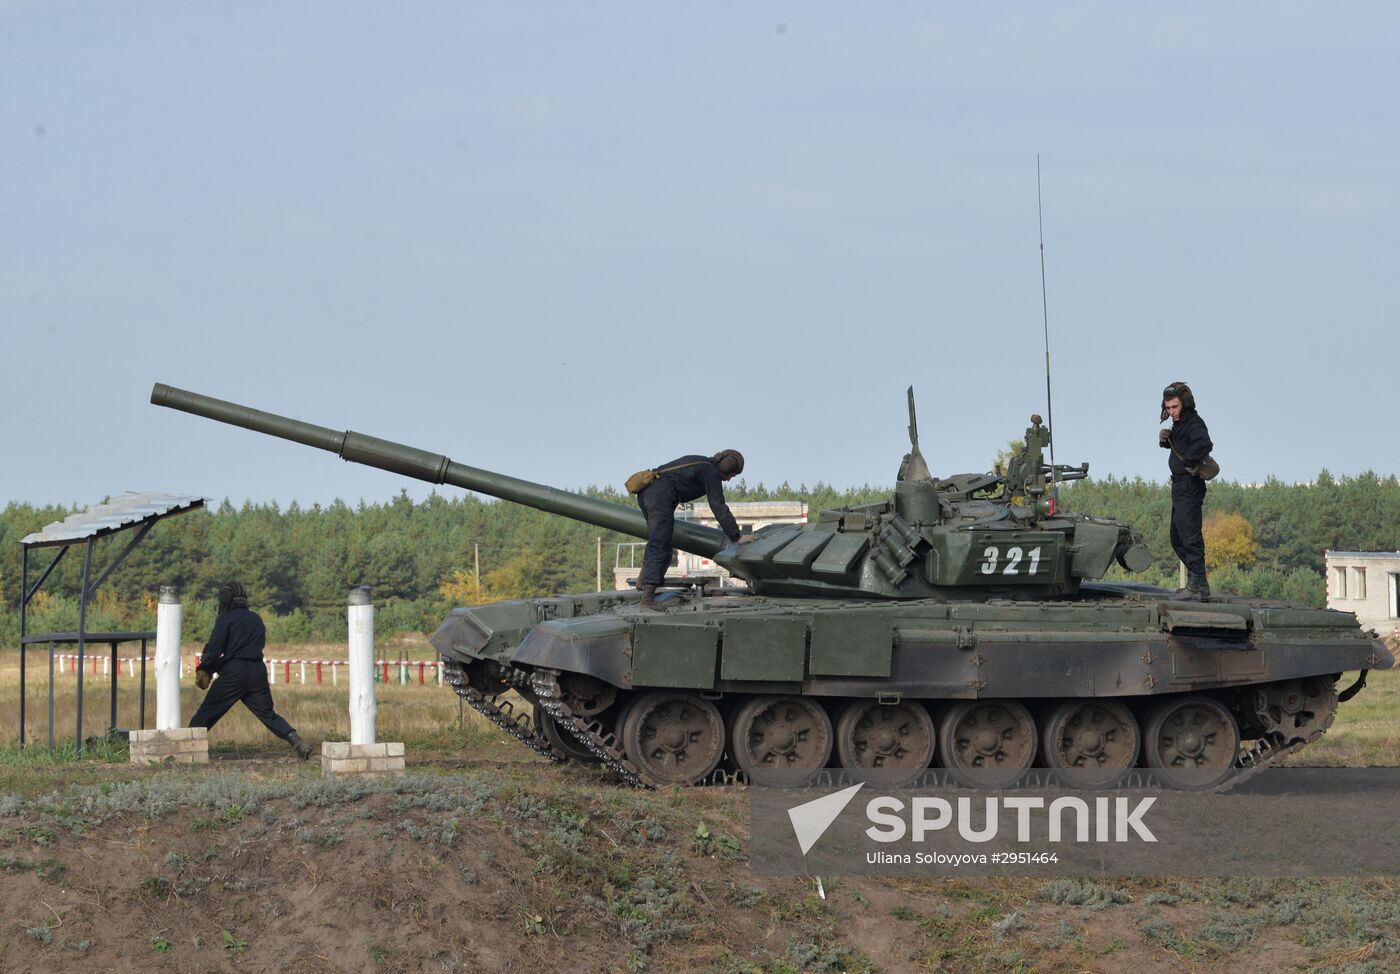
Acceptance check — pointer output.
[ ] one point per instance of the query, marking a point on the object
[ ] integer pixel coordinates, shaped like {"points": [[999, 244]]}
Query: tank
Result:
{"points": [[963, 623]]}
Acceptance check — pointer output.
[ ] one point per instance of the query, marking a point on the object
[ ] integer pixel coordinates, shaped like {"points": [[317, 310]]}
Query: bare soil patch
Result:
{"points": [[472, 863]]}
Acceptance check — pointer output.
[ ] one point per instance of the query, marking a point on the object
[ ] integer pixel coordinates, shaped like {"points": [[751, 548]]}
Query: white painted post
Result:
{"points": [[169, 619], [362, 707]]}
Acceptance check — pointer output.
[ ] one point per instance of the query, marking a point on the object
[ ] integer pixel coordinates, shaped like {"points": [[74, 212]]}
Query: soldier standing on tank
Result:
{"points": [[235, 653], [1189, 443], [685, 479]]}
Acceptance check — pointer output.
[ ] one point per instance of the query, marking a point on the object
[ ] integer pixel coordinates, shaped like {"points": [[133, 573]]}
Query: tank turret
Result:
{"points": [[963, 537]]}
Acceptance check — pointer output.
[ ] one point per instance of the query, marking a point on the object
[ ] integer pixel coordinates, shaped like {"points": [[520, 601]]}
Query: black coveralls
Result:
{"points": [[658, 502], [1189, 443], [235, 652]]}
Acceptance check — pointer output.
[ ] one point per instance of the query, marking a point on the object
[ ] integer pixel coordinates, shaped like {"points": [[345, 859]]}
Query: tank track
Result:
{"points": [[591, 734], [499, 712], [1251, 761]]}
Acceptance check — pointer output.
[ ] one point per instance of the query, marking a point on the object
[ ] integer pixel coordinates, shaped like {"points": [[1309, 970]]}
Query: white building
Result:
{"points": [[751, 516], [1367, 583]]}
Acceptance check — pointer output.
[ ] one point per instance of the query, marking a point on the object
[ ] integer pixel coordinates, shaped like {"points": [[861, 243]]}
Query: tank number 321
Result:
{"points": [[1014, 559]]}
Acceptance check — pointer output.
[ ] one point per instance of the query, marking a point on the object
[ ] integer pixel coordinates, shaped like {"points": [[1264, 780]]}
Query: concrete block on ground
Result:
{"points": [[343, 758], [180, 745]]}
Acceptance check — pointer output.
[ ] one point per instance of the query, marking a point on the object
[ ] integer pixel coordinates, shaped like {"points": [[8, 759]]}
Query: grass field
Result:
{"points": [[485, 857], [1366, 732]]}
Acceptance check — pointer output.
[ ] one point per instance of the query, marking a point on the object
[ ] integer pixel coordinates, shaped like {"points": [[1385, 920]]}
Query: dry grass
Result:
{"points": [[319, 712], [1366, 732]]}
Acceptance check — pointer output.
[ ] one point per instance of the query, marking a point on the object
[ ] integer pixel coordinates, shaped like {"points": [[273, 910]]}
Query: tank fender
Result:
{"points": [[484, 631], [599, 646]]}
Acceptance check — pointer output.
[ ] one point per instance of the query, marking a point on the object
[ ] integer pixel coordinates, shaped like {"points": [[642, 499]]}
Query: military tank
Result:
{"points": [[963, 624]]}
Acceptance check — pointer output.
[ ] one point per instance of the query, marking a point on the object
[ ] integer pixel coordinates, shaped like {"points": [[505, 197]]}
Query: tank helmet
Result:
{"points": [[729, 462], [1178, 390], [232, 595]]}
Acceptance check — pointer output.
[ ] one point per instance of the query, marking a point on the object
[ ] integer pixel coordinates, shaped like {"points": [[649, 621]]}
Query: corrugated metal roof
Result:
{"points": [[122, 511]]}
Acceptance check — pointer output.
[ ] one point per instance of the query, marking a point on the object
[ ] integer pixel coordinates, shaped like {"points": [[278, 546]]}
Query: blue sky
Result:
{"points": [[567, 241]]}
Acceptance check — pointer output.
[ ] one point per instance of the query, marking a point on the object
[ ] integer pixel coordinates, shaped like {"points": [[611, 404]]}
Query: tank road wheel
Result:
{"points": [[673, 737], [893, 742], [1191, 742], [562, 741], [1295, 710], [988, 743], [781, 741], [586, 696], [1090, 743]]}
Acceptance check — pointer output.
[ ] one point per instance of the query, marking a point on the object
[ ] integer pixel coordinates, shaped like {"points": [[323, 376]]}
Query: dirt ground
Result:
{"points": [[259, 864]]}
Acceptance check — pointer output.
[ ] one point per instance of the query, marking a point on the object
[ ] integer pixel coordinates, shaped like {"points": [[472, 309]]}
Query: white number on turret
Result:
{"points": [[990, 565], [1014, 556]]}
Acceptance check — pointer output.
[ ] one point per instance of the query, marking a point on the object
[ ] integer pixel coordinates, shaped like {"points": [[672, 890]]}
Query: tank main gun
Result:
{"points": [[965, 537], [438, 469]]}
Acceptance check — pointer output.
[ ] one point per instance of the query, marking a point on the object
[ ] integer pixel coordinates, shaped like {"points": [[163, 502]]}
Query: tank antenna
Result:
{"points": [[1045, 313], [914, 467]]}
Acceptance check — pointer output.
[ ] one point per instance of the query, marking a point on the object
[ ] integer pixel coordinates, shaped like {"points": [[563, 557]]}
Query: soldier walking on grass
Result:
{"points": [[235, 653]]}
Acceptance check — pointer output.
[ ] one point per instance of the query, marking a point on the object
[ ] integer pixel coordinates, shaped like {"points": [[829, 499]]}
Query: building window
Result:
{"points": [[1339, 582], [1395, 595], [1358, 583]]}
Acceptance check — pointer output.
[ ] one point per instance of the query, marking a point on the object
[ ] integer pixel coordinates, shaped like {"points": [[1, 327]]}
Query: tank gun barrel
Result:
{"points": [[436, 468]]}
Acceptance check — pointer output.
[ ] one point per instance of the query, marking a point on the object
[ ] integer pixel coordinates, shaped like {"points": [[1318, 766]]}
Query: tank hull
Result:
{"points": [[932, 660]]}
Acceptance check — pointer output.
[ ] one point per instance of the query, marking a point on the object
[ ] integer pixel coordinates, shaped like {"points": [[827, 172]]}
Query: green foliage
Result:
{"points": [[298, 563], [1293, 525]]}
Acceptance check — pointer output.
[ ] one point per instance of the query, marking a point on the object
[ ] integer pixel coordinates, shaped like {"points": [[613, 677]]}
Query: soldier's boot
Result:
{"points": [[649, 599], [302, 748], [1198, 587]]}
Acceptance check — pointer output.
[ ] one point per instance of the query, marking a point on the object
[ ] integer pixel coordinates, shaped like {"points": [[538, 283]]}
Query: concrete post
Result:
{"points": [[169, 619], [361, 754], [362, 707]]}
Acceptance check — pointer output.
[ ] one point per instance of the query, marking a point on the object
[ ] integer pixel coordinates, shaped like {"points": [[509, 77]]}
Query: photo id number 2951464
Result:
{"points": [[1022, 858]]}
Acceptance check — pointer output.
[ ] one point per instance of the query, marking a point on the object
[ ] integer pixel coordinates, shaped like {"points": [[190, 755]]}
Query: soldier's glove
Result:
{"points": [[202, 679], [1164, 438], [746, 538]]}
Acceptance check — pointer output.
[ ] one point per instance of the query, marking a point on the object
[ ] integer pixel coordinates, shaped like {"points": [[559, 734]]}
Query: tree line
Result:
{"points": [[1263, 540]]}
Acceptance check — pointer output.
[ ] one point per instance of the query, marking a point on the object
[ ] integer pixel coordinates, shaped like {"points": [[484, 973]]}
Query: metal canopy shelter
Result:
{"points": [[133, 510]]}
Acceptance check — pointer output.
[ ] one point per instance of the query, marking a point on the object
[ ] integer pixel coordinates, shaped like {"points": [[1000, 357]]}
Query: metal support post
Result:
{"points": [[23, 607], [116, 673], [82, 641], [50, 694], [143, 685]]}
